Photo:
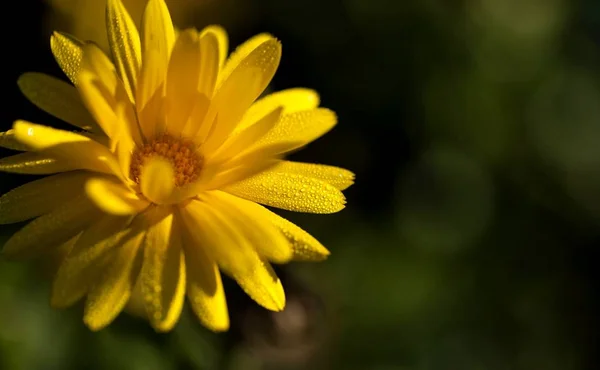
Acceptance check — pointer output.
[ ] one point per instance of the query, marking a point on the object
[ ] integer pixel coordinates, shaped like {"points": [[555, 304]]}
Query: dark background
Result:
{"points": [[471, 235]]}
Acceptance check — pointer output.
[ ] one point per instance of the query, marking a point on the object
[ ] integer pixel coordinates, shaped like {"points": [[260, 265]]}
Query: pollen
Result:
{"points": [[182, 154]]}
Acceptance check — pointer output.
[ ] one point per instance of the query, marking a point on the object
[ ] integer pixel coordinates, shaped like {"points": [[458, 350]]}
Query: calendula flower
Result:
{"points": [[161, 190]]}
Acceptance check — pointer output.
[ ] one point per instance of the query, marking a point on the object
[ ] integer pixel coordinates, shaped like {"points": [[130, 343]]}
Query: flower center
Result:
{"points": [[182, 155]]}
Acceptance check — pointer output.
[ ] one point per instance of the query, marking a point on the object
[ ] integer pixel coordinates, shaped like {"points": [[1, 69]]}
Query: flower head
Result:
{"points": [[161, 190]]}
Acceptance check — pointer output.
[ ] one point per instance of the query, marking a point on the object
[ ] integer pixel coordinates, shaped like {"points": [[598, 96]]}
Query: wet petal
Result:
{"points": [[204, 286], [77, 150], [109, 295], [209, 63], [124, 149], [263, 286], [100, 103], [304, 245], [163, 271], [41, 196], [220, 35], [241, 141], [152, 116], [35, 164], [289, 191], [335, 176], [81, 268], [240, 53], [157, 32], [299, 128], [292, 100], [104, 95], [95, 62], [245, 84], [228, 175], [57, 98], [9, 141], [53, 228], [182, 80], [124, 42], [113, 197], [210, 227], [199, 123], [67, 52], [158, 38], [254, 223]]}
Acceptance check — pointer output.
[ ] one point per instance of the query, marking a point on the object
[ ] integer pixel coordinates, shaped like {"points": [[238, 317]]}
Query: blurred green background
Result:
{"points": [[471, 236]]}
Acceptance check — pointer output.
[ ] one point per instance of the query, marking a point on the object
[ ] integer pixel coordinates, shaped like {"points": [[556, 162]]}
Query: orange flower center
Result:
{"points": [[182, 154]]}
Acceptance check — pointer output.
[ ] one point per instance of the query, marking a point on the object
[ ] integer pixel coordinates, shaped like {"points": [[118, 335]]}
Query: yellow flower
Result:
{"points": [[160, 191]]}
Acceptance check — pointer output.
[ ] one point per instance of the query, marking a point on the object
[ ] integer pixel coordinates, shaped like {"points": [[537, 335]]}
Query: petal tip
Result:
{"points": [[163, 326], [93, 324], [283, 256], [278, 299], [218, 326]]}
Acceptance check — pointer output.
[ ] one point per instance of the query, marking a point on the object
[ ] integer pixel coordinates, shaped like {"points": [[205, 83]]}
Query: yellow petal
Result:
{"points": [[253, 222], [94, 61], [292, 100], [77, 150], [157, 180], [289, 191], [335, 176], [136, 306], [240, 53], [229, 175], [158, 38], [222, 41], [67, 52], [57, 255], [53, 228], [182, 80], [113, 197], [124, 149], [8, 141], [152, 115], [80, 270], [100, 138], [39, 197], [218, 174], [241, 141], [304, 245], [34, 164], [204, 286], [104, 95], [163, 271], [157, 32], [57, 98], [199, 123], [124, 42], [300, 128], [100, 103], [209, 226], [151, 79], [263, 286], [256, 155], [242, 87], [209, 63], [109, 295]]}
